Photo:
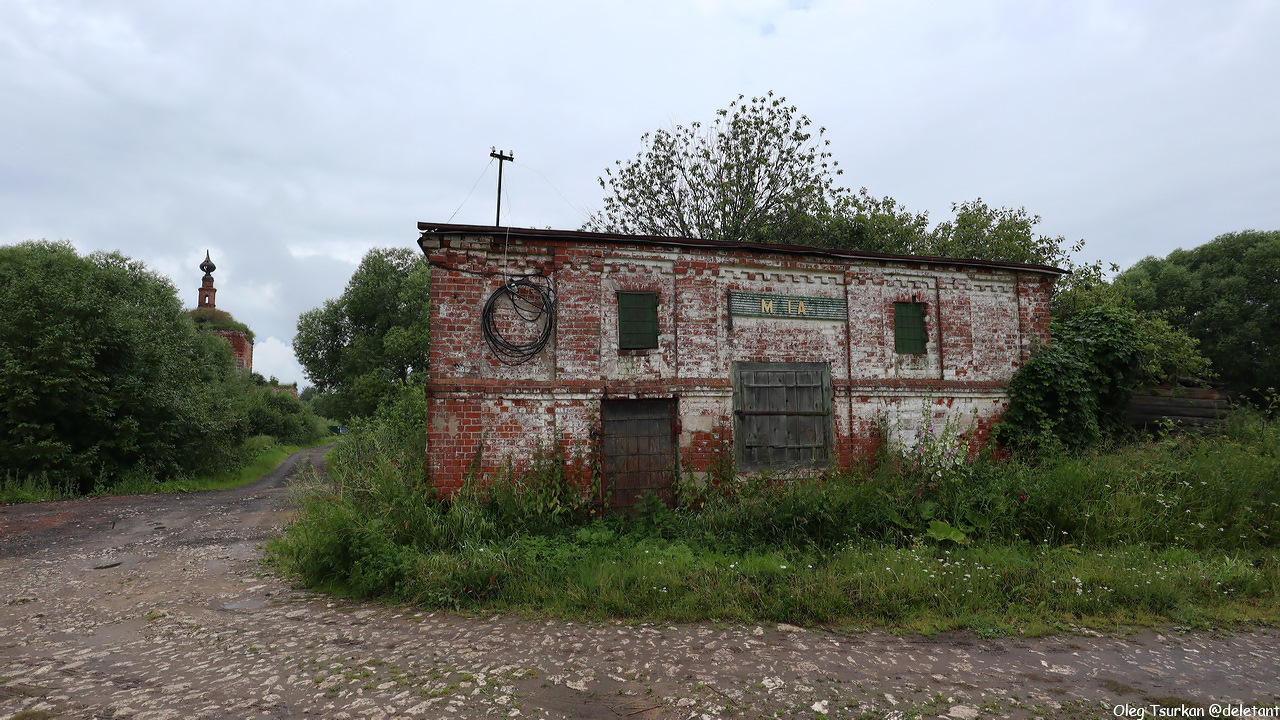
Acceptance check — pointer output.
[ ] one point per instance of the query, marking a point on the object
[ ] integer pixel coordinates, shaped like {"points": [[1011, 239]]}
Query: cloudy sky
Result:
{"points": [[287, 137]]}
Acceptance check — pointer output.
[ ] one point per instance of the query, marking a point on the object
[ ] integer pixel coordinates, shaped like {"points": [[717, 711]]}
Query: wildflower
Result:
{"points": [[1022, 496]]}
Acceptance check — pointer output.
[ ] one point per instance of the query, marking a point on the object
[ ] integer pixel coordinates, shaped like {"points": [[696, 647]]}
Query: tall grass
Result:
{"points": [[33, 487], [1175, 529]]}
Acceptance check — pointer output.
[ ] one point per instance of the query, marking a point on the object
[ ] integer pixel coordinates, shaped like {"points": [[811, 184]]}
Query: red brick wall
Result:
{"points": [[981, 322], [241, 347]]}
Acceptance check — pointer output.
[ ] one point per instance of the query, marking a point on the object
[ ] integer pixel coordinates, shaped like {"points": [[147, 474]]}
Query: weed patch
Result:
{"points": [[1177, 530]]}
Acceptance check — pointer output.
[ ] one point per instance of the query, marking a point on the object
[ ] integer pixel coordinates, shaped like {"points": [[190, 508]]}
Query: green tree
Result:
{"points": [[982, 232], [976, 230], [1226, 294], [757, 173], [361, 347], [863, 222], [102, 375]]}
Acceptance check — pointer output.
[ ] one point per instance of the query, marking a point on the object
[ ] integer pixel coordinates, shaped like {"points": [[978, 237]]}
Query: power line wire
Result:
{"points": [[473, 189], [553, 187]]}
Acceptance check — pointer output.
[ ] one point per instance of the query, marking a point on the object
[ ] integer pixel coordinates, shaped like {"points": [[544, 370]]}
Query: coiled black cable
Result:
{"points": [[533, 297]]}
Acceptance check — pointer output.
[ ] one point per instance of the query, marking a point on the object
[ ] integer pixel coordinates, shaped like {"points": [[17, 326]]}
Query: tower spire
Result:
{"points": [[205, 299]]}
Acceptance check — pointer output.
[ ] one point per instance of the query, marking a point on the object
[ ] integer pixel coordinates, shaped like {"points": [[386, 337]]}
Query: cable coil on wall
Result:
{"points": [[533, 298]]}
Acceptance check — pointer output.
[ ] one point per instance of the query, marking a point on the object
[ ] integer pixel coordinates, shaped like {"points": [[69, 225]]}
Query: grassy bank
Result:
{"points": [[1179, 530]]}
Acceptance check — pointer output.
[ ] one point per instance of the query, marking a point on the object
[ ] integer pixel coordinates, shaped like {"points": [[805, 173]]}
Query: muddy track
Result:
{"points": [[158, 606]]}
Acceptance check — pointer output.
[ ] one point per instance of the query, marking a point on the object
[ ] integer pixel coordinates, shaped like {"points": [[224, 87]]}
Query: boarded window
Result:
{"points": [[637, 320], [782, 415], [908, 328]]}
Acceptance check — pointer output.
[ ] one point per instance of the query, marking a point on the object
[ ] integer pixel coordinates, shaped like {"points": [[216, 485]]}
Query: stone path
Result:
{"points": [[155, 607]]}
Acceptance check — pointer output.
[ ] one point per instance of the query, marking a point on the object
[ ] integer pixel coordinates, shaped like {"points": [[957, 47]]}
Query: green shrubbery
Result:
{"points": [[207, 318], [107, 381], [1178, 528], [280, 415], [1074, 393]]}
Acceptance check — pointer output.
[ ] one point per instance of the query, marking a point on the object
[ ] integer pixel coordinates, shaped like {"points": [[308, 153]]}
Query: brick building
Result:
{"points": [[654, 356]]}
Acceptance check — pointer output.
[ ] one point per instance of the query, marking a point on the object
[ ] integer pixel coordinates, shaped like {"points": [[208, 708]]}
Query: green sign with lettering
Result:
{"points": [[800, 307]]}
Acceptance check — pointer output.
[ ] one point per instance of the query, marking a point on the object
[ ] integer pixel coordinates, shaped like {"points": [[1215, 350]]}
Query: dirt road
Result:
{"points": [[156, 607]]}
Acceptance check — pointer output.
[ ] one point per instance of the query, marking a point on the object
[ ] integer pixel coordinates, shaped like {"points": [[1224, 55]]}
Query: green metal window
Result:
{"points": [[637, 320], [908, 328]]}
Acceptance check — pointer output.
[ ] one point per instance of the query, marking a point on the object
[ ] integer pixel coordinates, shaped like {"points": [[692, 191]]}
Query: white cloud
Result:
{"points": [[273, 358], [334, 250]]}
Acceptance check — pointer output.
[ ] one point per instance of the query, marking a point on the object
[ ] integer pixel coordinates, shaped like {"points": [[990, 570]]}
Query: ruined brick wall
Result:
{"points": [[982, 319], [241, 347]]}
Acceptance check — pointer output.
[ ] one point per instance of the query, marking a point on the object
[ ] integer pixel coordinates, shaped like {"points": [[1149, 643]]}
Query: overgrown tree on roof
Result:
{"points": [[207, 318], [759, 172], [360, 348]]}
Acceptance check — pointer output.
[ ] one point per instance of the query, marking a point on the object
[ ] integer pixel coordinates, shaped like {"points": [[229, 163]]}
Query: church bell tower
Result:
{"points": [[207, 290]]}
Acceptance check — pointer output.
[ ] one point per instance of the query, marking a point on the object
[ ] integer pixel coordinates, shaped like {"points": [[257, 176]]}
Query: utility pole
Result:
{"points": [[501, 158]]}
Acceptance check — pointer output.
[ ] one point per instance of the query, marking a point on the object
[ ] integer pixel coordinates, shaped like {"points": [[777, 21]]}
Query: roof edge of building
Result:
{"points": [[428, 228]]}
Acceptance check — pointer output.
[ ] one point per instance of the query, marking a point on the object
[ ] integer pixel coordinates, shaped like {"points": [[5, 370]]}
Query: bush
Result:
{"points": [[280, 415], [396, 434], [1074, 393], [543, 497]]}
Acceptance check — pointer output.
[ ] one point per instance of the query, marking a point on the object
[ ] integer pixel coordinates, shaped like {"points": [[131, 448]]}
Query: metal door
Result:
{"points": [[782, 415], [638, 450]]}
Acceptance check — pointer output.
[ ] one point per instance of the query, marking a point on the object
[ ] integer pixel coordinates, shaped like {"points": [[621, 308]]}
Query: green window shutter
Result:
{"points": [[637, 320], [782, 415], [908, 328]]}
